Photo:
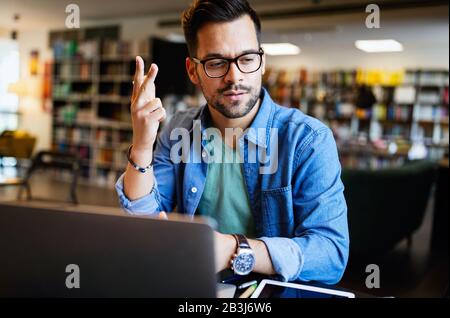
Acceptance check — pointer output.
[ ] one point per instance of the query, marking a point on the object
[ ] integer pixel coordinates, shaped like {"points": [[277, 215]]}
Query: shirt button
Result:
{"points": [[194, 190], [203, 154]]}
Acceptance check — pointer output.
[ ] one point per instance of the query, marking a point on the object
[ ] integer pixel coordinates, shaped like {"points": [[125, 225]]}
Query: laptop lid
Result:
{"points": [[115, 256]]}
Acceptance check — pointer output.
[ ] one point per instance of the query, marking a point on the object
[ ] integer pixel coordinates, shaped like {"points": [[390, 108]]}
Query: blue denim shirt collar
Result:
{"points": [[262, 120]]}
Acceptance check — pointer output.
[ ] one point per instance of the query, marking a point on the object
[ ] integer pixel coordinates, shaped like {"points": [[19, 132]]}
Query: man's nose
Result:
{"points": [[234, 75]]}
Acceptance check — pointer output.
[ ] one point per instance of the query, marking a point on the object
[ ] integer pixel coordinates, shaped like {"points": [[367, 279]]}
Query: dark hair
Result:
{"points": [[202, 12]]}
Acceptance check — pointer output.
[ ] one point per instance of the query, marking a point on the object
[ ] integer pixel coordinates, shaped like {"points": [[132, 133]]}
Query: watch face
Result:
{"points": [[244, 263]]}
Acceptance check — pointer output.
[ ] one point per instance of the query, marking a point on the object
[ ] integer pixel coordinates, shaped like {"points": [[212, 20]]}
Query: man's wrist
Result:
{"points": [[227, 247], [231, 247], [136, 166], [141, 156]]}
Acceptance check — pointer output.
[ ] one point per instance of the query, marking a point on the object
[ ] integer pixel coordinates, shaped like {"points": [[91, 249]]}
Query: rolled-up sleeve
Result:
{"points": [[147, 205], [319, 249], [287, 259]]}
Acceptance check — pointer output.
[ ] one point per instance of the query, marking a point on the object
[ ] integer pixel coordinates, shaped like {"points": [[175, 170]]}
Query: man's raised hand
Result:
{"points": [[146, 110]]}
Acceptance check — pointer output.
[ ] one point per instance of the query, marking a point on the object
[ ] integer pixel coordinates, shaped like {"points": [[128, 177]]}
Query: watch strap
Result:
{"points": [[241, 241]]}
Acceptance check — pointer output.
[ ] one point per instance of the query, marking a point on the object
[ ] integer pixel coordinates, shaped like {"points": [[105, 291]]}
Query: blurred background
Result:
{"points": [[378, 79]]}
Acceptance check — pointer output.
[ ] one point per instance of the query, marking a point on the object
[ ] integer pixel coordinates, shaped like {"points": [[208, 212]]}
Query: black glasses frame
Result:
{"points": [[233, 60]]}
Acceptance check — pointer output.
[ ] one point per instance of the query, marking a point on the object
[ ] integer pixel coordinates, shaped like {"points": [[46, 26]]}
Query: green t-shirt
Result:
{"points": [[225, 197]]}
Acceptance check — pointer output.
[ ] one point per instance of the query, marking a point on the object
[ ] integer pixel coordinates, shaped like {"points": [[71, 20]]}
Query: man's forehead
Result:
{"points": [[227, 38]]}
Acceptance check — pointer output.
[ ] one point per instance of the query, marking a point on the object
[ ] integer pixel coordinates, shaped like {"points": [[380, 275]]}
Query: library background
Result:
{"points": [[67, 92]]}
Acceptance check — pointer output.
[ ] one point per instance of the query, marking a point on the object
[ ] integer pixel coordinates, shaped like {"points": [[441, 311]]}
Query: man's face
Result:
{"points": [[229, 40]]}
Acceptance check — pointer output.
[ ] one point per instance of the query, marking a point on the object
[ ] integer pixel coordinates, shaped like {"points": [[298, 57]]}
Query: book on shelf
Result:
{"points": [[431, 113], [405, 94], [445, 96], [64, 49], [433, 78], [120, 159], [429, 97], [81, 135], [61, 90], [84, 115], [124, 49], [410, 78], [113, 69], [344, 110], [89, 49], [103, 137], [68, 70], [399, 113], [84, 152], [105, 157]]}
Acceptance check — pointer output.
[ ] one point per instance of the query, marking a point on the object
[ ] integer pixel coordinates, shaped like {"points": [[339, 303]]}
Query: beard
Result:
{"points": [[234, 109]]}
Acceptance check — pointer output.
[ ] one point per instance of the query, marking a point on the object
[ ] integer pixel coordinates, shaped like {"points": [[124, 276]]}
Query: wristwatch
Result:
{"points": [[243, 261]]}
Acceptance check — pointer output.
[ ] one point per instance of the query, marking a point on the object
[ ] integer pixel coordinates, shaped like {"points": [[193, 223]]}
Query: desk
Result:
{"points": [[66, 206], [10, 181]]}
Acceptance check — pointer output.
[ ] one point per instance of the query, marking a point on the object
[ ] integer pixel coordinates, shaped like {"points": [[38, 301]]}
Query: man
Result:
{"points": [[290, 219]]}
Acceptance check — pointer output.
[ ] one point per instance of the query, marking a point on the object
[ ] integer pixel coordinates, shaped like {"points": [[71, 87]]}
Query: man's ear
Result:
{"points": [[190, 68]]}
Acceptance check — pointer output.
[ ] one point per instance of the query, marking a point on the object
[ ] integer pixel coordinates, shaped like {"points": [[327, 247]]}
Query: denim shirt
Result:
{"points": [[294, 187]]}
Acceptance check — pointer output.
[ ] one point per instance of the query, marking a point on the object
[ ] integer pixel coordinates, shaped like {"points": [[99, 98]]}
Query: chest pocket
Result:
{"points": [[277, 211]]}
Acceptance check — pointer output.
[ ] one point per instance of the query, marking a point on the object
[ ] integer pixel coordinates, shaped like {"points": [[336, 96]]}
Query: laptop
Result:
{"points": [[68, 253]]}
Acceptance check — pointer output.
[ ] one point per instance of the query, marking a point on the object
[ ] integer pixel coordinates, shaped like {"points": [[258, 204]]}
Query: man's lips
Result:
{"points": [[234, 96], [234, 93]]}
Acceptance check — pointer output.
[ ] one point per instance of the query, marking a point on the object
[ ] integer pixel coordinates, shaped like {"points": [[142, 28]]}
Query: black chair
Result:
{"points": [[53, 160], [387, 205]]}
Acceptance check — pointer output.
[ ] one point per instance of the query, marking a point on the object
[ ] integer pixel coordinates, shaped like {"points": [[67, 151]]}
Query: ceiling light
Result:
{"points": [[281, 49], [377, 46]]}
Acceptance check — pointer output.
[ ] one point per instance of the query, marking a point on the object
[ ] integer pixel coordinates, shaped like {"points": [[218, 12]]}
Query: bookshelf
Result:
{"points": [[92, 74], [376, 117], [91, 89]]}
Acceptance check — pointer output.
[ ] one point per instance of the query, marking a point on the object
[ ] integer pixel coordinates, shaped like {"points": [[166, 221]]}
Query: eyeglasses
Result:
{"points": [[218, 67]]}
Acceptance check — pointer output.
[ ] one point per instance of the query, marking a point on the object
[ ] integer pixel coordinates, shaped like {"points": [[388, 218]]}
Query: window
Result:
{"points": [[9, 73]]}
